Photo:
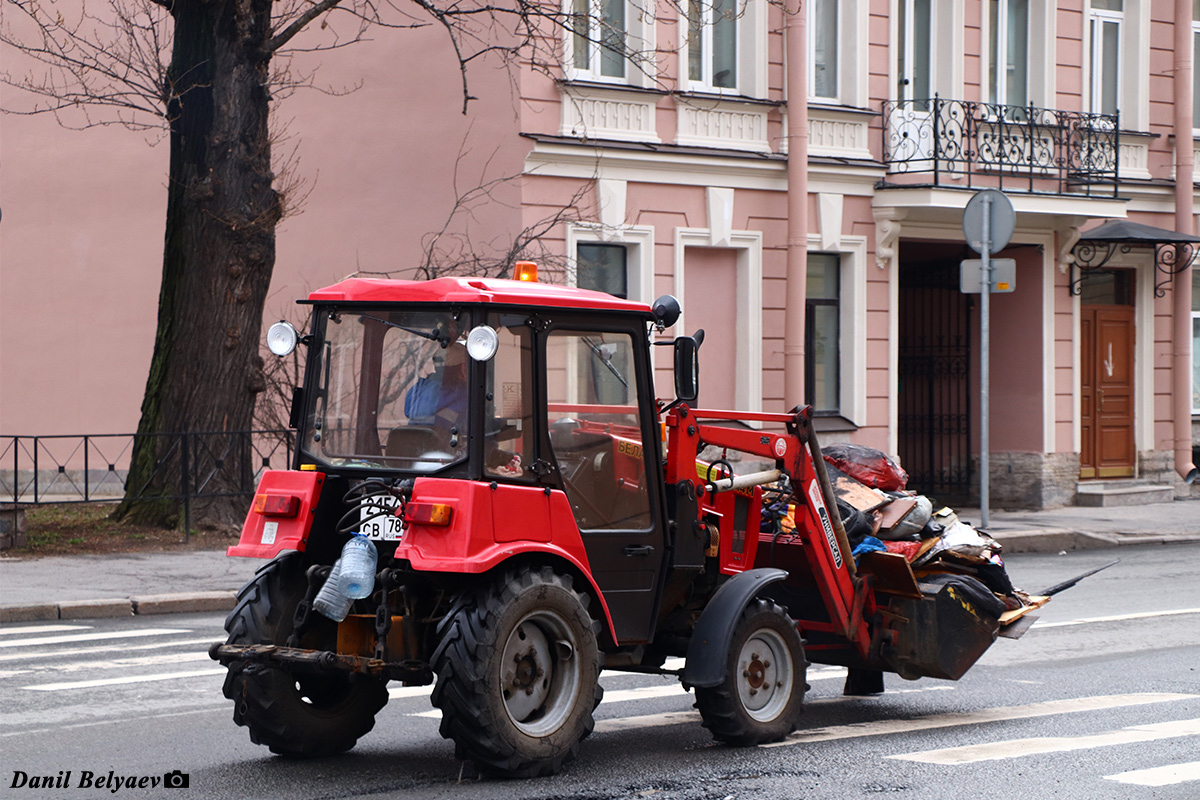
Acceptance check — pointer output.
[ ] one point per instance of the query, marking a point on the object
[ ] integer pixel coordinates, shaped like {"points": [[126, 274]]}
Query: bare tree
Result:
{"points": [[205, 72]]}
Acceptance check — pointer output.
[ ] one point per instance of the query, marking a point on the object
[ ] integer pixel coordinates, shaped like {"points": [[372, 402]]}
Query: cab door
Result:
{"points": [[600, 429]]}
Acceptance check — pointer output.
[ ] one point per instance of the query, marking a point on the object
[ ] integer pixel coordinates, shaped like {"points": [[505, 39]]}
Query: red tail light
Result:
{"points": [[427, 513], [276, 505]]}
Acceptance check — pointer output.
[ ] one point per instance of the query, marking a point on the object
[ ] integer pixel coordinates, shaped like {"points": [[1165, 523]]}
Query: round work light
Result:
{"points": [[282, 338], [482, 343]]}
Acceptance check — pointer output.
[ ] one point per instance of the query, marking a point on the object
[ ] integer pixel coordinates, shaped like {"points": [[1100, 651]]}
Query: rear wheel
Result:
{"points": [[518, 669], [762, 695], [303, 716]]}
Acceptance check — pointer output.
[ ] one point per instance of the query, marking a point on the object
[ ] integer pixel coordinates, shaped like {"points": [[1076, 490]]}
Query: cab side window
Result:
{"points": [[595, 428], [508, 418]]}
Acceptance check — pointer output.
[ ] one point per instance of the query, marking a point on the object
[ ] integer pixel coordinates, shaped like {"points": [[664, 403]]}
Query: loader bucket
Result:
{"points": [[944, 632]]}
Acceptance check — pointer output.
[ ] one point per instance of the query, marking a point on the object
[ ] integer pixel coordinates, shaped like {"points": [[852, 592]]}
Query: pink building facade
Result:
{"points": [[674, 168]]}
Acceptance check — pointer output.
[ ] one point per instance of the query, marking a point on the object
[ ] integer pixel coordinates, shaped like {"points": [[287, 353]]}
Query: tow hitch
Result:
{"points": [[296, 659]]}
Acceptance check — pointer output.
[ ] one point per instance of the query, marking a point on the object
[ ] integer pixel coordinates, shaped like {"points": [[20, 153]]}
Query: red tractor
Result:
{"points": [[500, 444]]}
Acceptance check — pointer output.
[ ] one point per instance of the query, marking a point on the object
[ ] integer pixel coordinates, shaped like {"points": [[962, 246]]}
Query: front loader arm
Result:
{"points": [[848, 599]]}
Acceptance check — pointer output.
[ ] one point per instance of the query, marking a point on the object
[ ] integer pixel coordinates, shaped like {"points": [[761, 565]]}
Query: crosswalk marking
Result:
{"points": [[998, 714], [1040, 625], [91, 637], [647, 721], [42, 629], [121, 648], [1017, 748], [116, 663], [162, 676], [1159, 776]]}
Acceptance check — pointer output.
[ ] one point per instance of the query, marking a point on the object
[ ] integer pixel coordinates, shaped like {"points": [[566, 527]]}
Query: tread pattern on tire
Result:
{"points": [[721, 711], [474, 719], [266, 700]]}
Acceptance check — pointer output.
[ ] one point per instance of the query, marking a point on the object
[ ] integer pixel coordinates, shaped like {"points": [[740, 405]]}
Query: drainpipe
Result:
{"points": [[1184, 223], [797, 205]]}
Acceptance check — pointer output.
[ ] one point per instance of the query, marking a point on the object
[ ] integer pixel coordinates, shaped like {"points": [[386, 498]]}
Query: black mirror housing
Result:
{"points": [[687, 367]]}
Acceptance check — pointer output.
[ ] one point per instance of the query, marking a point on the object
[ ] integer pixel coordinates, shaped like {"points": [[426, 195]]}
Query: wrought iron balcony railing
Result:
{"points": [[1017, 148]]}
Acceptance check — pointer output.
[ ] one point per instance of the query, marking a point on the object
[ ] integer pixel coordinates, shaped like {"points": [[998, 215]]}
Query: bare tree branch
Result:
{"points": [[299, 24]]}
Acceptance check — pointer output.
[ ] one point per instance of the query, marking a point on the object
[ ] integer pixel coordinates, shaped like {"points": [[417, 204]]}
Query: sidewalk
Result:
{"points": [[81, 587]]}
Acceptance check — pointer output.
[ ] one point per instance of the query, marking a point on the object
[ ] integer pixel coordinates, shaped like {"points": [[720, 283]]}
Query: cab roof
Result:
{"points": [[472, 290]]}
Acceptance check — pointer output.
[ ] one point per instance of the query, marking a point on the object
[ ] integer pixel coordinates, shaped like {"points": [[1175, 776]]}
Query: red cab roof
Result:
{"points": [[471, 290]]}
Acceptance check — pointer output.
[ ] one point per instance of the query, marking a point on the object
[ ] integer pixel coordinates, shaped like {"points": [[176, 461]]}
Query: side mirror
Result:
{"points": [[687, 367]]}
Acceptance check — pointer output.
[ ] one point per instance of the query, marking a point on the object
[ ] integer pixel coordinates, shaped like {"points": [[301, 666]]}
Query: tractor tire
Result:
{"points": [[518, 674], [299, 716], [762, 695]]}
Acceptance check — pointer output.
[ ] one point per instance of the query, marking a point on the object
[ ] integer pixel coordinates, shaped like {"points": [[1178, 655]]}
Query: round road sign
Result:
{"points": [[1001, 220]]}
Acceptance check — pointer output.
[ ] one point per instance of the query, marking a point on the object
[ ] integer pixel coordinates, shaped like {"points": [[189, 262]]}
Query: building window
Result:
{"points": [[1008, 55], [1104, 38], [598, 38], [1195, 341], [712, 51], [823, 33], [1195, 61], [916, 50], [822, 332], [602, 267]]}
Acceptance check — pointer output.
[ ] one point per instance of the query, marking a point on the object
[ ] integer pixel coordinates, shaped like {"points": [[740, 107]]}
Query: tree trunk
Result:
{"points": [[206, 370]]}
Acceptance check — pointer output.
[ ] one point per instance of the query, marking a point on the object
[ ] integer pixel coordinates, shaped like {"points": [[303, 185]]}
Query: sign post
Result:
{"points": [[988, 222]]}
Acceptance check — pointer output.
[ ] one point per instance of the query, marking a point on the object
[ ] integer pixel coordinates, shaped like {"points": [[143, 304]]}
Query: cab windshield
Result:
{"points": [[391, 390]]}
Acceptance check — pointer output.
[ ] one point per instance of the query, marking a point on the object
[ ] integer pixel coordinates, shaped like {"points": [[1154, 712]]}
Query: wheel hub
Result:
{"points": [[765, 667]]}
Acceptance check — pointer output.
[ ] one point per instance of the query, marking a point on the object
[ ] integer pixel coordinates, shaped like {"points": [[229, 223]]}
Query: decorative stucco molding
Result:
{"points": [[887, 233], [723, 124], [598, 114], [1068, 237]]}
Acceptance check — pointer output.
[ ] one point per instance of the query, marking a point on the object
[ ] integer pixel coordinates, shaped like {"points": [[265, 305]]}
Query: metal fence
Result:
{"points": [[1021, 148], [36, 470]]}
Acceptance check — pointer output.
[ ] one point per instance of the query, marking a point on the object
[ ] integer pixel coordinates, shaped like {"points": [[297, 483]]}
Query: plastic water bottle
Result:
{"points": [[359, 557], [330, 601]]}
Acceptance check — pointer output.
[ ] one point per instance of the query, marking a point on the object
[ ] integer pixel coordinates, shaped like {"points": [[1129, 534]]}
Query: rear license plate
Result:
{"points": [[378, 521]]}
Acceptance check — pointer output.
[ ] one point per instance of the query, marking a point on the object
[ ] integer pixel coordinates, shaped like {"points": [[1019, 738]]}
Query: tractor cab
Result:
{"points": [[540, 394]]}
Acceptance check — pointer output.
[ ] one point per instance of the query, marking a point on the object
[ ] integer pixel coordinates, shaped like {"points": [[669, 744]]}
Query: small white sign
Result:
{"points": [[510, 400], [269, 530], [1004, 275]]}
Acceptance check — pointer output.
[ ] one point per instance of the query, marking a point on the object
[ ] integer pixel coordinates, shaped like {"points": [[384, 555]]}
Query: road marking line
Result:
{"points": [[92, 637], [1019, 748], [647, 721], [42, 629], [221, 707], [999, 714], [162, 676], [124, 648], [1159, 776], [1115, 618], [116, 663]]}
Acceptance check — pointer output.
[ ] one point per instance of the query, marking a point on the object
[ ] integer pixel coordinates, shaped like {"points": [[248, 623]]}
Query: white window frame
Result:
{"points": [[639, 63], [705, 83], [747, 372], [1096, 20], [639, 251], [1195, 349], [1195, 72], [852, 321], [838, 39], [999, 38]]}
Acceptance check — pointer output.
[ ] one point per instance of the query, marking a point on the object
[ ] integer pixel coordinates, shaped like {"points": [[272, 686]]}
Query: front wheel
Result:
{"points": [[302, 716], [518, 669], [762, 695]]}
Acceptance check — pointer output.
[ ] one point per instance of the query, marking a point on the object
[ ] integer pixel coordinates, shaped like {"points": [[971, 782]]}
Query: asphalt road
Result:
{"points": [[1101, 699]]}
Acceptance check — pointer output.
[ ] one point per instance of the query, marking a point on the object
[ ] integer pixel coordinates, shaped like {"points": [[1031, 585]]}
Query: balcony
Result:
{"points": [[958, 143]]}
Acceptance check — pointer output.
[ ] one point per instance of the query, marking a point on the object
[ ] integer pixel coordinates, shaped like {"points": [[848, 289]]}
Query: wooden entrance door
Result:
{"points": [[1107, 334]]}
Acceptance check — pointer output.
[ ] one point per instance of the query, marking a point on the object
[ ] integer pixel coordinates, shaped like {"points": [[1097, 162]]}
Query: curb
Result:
{"points": [[181, 603]]}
